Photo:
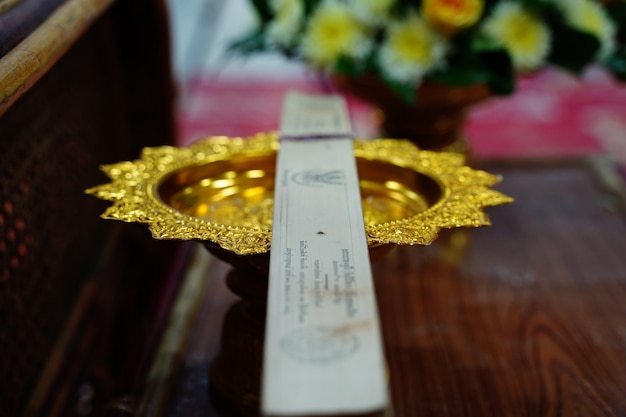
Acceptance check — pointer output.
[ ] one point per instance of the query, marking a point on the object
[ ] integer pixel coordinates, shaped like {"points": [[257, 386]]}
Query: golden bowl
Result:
{"points": [[220, 191]]}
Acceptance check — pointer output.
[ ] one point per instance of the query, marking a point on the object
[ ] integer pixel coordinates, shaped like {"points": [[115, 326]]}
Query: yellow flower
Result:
{"points": [[452, 15], [284, 28], [410, 50], [526, 38], [588, 16], [333, 31]]}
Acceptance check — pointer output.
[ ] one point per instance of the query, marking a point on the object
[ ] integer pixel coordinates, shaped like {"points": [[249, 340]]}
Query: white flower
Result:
{"points": [[283, 29], [333, 31], [371, 12], [526, 38], [411, 49], [588, 16]]}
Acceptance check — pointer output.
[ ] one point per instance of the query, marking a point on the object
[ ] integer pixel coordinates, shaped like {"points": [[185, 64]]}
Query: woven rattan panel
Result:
{"points": [[51, 144], [46, 223]]}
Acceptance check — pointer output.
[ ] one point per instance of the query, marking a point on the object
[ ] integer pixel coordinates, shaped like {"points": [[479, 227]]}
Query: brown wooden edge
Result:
{"points": [[30, 59]]}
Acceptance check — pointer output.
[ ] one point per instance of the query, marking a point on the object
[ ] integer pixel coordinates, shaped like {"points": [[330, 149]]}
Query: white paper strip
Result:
{"points": [[323, 349]]}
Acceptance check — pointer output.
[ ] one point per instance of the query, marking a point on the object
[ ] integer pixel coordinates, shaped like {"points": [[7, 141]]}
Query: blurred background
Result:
{"points": [[551, 113]]}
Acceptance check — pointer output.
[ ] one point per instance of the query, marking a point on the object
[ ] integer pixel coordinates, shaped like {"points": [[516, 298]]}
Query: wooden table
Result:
{"points": [[523, 318]]}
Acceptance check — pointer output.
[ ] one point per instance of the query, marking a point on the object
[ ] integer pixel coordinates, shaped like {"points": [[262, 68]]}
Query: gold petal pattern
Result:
{"points": [[464, 192]]}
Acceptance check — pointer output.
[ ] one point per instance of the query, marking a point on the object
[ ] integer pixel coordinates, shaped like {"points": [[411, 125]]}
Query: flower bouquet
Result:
{"points": [[406, 44], [454, 42]]}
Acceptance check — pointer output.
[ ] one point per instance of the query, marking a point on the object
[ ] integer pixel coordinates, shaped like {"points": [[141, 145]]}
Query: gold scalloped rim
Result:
{"points": [[133, 191]]}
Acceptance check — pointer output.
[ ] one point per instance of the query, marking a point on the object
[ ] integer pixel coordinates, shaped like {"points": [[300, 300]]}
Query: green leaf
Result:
{"points": [[573, 49], [250, 43], [483, 43], [310, 5], [538, 6], [500, 73], [350, 67], [617, 65], [459, 77], [617, 13], [464, 66], [402, 7], [406, 91], [479, 61], [263, 10]]}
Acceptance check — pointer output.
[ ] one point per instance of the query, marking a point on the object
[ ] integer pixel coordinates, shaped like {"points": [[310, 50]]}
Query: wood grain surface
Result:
{"points": [[523, 318]]}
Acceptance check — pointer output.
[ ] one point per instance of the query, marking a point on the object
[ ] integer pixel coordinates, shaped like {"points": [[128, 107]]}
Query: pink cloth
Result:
{"points": [[551, 114]]}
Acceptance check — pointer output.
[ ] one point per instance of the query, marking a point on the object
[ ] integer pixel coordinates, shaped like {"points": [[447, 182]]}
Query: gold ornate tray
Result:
{"points": [[220, 190]]}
